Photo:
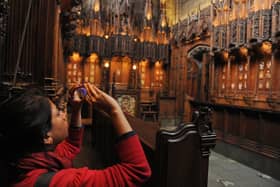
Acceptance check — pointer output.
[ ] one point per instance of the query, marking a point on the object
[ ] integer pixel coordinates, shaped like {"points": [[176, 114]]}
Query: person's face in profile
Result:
{"points": [[59, 130]]}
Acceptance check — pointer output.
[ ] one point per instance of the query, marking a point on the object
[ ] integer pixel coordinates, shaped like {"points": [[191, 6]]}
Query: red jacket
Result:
{"points": [[133, 169]]}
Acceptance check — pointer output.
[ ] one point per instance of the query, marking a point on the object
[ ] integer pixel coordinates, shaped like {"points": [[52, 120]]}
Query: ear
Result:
{"points": [[48, 140]]}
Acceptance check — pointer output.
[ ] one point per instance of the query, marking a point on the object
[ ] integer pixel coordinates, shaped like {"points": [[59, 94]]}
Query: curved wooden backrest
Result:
{"points": [[177, 156]]}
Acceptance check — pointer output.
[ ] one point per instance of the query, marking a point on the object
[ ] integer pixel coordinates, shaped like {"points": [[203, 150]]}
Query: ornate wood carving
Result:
{"points": [[149, 51], [202, 117], [195, 27], [163, 53], [255, 24], [122, 45], [233, 32], [267, 20], [275, 18], [81, 45], [242, 31], [216, 37], [97, 45]]}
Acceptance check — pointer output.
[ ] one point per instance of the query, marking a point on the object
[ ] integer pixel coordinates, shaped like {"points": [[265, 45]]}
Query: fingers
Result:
{"points": [[97, 90], [91, 94], [94, 93], [92, 90], [90, 99]]}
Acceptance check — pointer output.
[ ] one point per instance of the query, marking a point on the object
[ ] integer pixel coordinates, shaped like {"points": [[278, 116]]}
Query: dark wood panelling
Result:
{"points": [[233, 122], [218, 119], [255, 130], [271, 130], [251, 128], [38, 42]]}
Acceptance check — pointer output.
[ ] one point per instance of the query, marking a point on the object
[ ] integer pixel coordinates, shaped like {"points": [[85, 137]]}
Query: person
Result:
{"points": [[36, 140]]}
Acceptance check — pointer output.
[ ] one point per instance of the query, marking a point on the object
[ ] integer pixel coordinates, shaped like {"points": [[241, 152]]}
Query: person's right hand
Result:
{"points": [[74, 99], [101, 100]]}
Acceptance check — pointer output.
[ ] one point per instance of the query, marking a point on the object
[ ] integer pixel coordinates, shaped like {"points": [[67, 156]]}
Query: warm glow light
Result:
{"points": [[96, 6], [266, 47], [106, 36], [244, 51], [197, 38], [157, 63], [106, 65], [148, 10], [226, 55], [86, 31], [226, 8], [134, 67], [163, 23], [149, 16], [135, 39], [144, 62], [75, 57], [93, 57]]}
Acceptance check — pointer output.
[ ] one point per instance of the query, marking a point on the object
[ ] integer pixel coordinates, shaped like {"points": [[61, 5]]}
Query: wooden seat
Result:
{"points": [[148, 110], [147, 114]]}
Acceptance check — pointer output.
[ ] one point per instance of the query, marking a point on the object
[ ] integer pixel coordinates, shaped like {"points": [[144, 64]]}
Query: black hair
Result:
{"points": [[25, 121]]}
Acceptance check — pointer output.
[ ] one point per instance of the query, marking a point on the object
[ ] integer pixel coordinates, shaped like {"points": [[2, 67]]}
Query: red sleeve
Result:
{"points": [[70, 147], [133, 169]]}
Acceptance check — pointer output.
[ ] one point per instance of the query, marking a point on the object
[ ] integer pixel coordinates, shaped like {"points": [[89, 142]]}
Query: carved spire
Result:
{"points": [[96, 6], [162, 35], [162, 21], [116, 16], [125, 27], [95, 25], [148, 13], [147, 34]]}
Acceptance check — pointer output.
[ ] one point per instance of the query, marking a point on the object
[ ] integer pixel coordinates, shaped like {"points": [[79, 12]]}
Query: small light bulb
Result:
{"points": [[106, 65], [134, 67]]}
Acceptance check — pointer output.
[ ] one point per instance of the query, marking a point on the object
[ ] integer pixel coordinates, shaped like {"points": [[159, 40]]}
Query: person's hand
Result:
{"points": [[101, 100], [74, 98], [108, 105]]}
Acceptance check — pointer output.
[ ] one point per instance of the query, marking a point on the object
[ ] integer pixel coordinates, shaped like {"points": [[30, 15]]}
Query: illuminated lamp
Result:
{"points": [[244, 51], [134, 67], [266, 47], [106, 65]]}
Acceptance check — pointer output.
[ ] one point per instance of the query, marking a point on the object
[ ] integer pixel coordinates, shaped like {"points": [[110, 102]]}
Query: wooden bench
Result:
{"points": [[178, 157]]}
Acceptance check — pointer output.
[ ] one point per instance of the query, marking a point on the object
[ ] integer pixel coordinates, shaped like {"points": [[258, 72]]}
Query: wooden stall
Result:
{"points": [[178, 156]]}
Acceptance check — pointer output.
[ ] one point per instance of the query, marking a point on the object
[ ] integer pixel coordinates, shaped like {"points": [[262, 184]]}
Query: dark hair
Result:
{"points": [[25, 121]]}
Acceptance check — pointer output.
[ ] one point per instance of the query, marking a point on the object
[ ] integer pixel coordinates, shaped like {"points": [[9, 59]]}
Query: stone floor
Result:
{"points": [[225, 172]]}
